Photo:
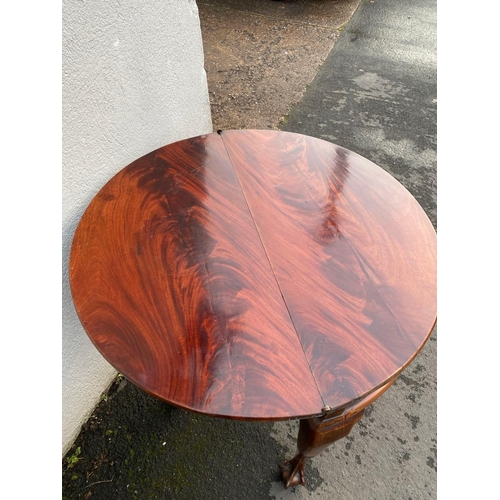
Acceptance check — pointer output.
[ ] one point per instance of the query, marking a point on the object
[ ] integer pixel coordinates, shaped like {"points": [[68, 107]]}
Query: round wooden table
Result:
{"points": [[258, 275]]}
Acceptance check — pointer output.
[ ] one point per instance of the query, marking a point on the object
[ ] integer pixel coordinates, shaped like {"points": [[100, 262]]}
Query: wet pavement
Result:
{"points": [[370, 87]]}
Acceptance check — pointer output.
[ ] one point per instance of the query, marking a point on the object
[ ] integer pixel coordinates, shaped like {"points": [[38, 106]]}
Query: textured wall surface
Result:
{"points": [[133, 80]]}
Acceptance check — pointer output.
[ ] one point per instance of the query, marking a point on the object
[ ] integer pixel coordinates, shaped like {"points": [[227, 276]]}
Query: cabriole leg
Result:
{"points": [[315, 435]]}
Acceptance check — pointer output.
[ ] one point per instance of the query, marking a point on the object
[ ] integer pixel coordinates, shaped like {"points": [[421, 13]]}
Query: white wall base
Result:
{"points": [[133, 80]]}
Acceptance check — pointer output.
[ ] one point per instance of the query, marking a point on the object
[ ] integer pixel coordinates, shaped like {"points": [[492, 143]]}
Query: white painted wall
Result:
{"points": [[133, 80]]}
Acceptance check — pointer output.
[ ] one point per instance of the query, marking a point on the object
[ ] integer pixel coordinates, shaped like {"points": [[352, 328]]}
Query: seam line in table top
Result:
{"points": [[272, 269]]}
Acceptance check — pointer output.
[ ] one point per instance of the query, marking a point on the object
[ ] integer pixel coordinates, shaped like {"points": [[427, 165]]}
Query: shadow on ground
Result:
{"points": [[135, 446]]}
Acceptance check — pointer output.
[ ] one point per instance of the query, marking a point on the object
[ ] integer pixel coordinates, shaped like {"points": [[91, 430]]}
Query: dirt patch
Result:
{"points": [[261, 55]]}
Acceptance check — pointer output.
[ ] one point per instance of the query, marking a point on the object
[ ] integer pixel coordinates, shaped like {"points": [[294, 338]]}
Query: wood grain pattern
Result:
{"points": [[255, 274], [353, 253], [171, 282]]}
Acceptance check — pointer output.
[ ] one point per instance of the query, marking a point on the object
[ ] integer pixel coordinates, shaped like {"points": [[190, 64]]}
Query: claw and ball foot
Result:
{"points": [[317, 433], [292, 471]]}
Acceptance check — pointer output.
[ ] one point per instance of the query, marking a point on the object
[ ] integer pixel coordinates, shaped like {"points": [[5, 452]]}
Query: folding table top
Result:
{"points": [[255, 274]]}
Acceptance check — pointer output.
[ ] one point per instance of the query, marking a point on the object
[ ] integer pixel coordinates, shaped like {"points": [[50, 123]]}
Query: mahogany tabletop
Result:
{"points": [[255, 274]]}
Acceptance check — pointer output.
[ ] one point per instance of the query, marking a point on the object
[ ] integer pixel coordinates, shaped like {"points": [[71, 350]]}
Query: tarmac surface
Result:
{"points": [[372, 91]]}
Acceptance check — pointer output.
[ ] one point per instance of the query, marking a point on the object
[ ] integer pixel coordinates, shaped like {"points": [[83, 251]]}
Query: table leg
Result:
{"points": [[315, 435]]}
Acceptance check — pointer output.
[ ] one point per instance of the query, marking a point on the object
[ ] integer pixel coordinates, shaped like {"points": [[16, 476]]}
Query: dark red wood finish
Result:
{"points": [[255, 274], [353, 252], [172, 284]]}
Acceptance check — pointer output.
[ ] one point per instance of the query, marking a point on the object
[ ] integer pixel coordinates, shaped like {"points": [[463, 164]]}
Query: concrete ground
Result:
{"points": [[368, 84]]}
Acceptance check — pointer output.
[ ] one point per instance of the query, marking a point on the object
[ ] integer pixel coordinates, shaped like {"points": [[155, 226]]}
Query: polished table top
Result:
{"points": [[255, 274]]}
